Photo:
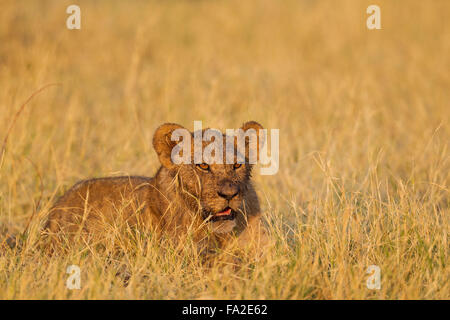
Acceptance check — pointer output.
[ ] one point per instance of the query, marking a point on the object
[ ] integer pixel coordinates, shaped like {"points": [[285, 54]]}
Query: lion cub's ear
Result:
{"points": [[252, 130], [163, 143]]}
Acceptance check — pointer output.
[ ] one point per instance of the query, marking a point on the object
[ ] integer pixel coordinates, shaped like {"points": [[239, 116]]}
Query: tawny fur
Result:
{"points": [[173, 202]]}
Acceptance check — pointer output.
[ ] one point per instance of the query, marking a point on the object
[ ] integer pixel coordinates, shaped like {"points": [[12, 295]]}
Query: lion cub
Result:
{"points": [[216, 202]]}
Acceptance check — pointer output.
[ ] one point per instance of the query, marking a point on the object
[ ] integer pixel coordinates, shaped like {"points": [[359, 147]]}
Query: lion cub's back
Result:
{"points": [[91, 203]]}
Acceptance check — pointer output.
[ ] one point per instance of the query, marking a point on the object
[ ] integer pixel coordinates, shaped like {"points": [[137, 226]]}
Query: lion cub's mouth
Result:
{"points": [[226, 214]]}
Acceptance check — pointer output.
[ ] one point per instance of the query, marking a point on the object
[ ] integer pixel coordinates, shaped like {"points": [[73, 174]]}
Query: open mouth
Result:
{"points": [[226, 214]]}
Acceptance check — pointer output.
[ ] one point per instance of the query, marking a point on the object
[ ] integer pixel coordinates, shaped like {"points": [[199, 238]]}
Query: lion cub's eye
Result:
{"points": [[237, 165], [203, 166]]}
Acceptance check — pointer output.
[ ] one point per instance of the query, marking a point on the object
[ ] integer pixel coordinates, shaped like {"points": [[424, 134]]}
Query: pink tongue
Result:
{"points": [[224, 213]]}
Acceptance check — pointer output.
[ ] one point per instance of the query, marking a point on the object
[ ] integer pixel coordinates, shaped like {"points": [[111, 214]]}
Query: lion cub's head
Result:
{"points": [[213, 169]]}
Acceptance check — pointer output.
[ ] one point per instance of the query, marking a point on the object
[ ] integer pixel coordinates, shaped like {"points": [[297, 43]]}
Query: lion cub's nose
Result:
{"points": [[228, 190]]}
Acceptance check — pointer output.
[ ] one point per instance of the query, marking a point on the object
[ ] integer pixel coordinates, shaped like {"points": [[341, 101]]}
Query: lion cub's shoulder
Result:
{"points": [[89, 197]]}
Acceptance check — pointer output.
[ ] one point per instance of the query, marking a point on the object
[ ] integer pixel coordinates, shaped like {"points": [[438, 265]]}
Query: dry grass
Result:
{"points": [[364, 138]]}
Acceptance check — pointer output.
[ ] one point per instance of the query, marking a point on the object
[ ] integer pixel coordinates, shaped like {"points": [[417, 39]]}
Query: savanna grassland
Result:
{"points": [[364, 139]]}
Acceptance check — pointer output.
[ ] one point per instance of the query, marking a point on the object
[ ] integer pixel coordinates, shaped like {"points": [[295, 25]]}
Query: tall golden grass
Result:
{"points": [[364, 139]]}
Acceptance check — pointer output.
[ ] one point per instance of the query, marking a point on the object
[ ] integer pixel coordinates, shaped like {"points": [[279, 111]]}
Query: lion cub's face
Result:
{"points": [[217, 190]]}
